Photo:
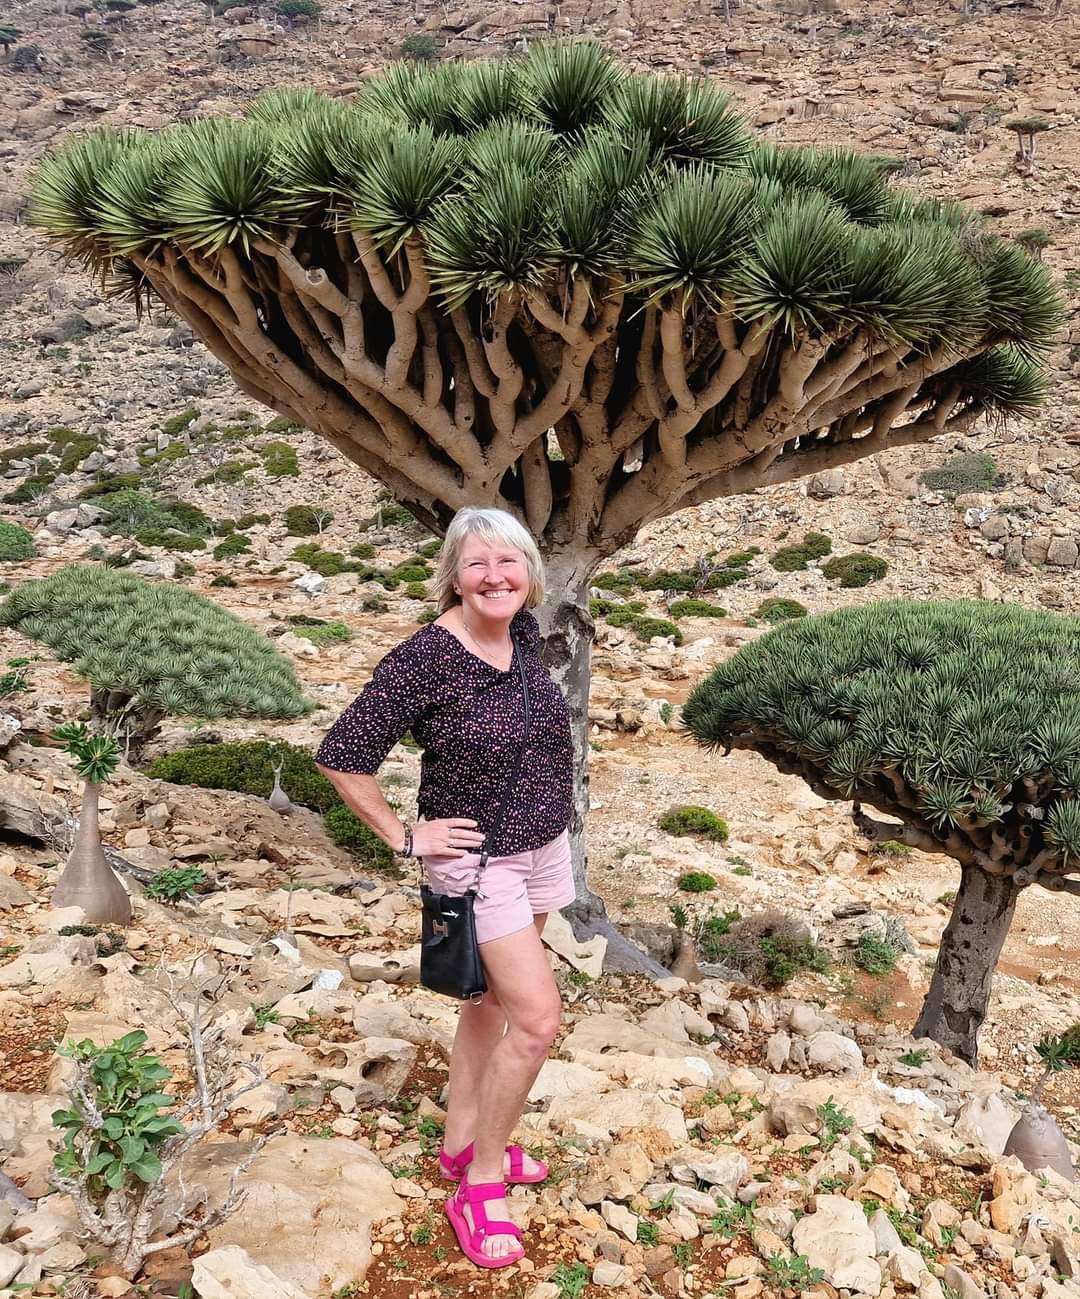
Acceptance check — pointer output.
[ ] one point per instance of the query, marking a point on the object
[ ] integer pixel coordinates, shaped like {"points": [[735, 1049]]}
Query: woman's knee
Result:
{"points": [[539, 1028]]}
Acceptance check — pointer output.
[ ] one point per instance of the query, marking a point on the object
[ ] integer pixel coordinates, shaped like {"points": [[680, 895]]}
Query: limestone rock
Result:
{"points": [[837, 1238], [230, 1274], [834, 1053]]}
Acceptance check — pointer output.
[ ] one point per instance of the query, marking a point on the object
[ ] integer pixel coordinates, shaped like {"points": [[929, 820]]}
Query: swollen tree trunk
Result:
{"points": [[956, 1004], [567, 627], [87, 880]]}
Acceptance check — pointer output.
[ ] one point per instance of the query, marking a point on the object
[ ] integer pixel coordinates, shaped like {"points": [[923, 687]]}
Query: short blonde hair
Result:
{"points": [[497, 528]]}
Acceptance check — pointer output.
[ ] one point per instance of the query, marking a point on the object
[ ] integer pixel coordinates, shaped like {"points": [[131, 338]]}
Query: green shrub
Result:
{"points": [[647, 628], [416, 591], [776, 609], [622, 582], [974, 471], [710, 932], [279, 460], [329, 563], [696, 882], [128, 512], [667, 579], [429, 550], [71, 447], [726, 577], [427, 615], [31, 488], [364, 550], [280, 425], [246, 521], [422, 48], [222, 579], [107, 484], [170, 540], [374, 604], [858, 569], [696, 821], [875, 955], [237, 544], [303, 520], [246, 766], [15, 542], [786, 957], [323, 633], [412, 572], [175, 882], [350, 833], [793, 559], [184, 569], [695, 609], [177, 423], [231, 472]]}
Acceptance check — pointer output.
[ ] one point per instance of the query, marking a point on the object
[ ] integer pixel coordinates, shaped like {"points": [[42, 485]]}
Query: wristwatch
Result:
{"points": [[407, 847]]}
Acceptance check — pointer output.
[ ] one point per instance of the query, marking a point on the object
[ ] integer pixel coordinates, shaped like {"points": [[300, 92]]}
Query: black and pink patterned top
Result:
{"points": [[468, 718]]}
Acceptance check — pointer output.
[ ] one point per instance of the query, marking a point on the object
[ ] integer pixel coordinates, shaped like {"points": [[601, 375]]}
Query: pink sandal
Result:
{"points": [[472, 1239], [453, 1167]]}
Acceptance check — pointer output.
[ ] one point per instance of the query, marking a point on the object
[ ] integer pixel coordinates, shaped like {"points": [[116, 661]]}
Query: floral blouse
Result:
{"points": [[469, 719]]}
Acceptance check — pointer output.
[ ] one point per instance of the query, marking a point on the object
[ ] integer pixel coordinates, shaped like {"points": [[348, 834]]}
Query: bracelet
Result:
{"points": [[407, 847]]}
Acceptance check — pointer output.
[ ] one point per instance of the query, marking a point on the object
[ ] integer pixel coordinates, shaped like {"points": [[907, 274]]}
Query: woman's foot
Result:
{"points": [[497, 1244], [529, 1170]]}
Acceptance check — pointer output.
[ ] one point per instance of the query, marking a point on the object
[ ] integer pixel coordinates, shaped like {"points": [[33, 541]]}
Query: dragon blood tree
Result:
{"points": [[588, 297], [959, 720], [151, 649]]}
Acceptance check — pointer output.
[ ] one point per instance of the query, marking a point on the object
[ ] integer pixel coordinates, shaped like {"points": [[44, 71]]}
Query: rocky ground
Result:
{"points": [[692, 1130]]}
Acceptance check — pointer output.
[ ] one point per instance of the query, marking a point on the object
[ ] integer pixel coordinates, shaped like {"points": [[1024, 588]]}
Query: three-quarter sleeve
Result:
{"points": [[388, 706]]}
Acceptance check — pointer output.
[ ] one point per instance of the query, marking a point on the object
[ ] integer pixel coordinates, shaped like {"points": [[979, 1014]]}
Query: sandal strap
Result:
{"points": [[478, 1192], [517, 1160], [495, 1228]]}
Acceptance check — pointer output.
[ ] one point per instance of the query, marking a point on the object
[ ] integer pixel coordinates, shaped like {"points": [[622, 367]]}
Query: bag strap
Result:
{"points": [[519, 659]]}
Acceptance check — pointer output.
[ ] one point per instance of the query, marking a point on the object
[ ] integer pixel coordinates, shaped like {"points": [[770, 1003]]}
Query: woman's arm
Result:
{"points": [[362, 795]]}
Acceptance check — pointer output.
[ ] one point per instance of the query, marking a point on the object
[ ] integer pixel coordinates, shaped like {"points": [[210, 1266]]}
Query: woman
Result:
{"points": [[455, 686]]}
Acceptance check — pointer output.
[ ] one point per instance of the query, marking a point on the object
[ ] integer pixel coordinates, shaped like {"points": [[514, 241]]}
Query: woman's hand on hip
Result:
{"points": [[449, 836]]}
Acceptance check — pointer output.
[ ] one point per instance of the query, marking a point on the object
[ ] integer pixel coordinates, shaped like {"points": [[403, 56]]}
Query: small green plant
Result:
{"points": [[684, 1254], [570, 1279], [175, 882], [915, 1059], [696, 882], [424, 1232], [648, 1233], [666, 712], [711, 931], [974, 471], [793, 1273], [323, 633], [793, 559], [732, 1219], [298, 8], [237, 544], [579, 978], [743, 870], [875, 955], [349, 832], [265, 1014], [786, 956], [835, 1123], [113, 1136], [16, 543], [893, 848], [679, 915], [697, 821], [665, 1203], [776, 609], [176, 424], [858, 569], [418, 47], [305, 520]]}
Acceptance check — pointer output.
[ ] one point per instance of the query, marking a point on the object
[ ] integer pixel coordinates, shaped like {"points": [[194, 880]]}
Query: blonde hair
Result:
{"points": [[497, 528]]}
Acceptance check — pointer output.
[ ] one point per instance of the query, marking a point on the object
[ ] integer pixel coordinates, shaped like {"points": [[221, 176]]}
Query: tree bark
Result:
{"points": [[567, 627], [87, 880], [956, 1004]]}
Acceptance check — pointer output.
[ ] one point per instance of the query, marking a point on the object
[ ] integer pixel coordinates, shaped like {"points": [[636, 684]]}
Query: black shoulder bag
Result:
{"points": [[449, 953]]}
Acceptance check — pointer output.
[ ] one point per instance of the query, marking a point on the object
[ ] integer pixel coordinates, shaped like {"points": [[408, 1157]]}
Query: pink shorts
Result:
{"points": [[512, 889]]}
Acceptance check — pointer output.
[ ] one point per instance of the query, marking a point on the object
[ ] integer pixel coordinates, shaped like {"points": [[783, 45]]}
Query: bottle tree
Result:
{"points": [[546, 284], [960, 721]]}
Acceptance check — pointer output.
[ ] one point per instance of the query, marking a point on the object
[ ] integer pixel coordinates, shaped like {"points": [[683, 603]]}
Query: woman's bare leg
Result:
{"points": [[518, 972]]}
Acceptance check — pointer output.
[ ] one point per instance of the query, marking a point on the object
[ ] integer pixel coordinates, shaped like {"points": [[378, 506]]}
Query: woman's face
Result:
{"points": [[492, 580]]}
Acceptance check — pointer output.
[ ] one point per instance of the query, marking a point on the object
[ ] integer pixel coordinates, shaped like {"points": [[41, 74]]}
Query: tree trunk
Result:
{"points": [[955, 1006], [567, 627], [87, 880]]}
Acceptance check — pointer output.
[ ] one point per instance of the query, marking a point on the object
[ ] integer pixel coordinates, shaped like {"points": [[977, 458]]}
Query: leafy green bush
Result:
{"points": [[170, 540], [246, 766], [622, 582], [15, 543], [412, 572], [328, 563], [875, 955], [793, 559], [230, 473], [279, 460], [106, 484], [711, 931], [304, 520], [223, 579], [786, 957], [776, 609], [350, 833], [696, 882], [419, 47], [416, 591], [364, 550], [374, 604], [127, 1083], [974, 471], [858, 569], [24, 451], [323, 633], [71, 447], [31, 488], [175, 882], [237, 544], [280, 425], [178, 423], [246, 521], [646, 628], [667, 579], [127, 512], [695, 609], [696, 821]]}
